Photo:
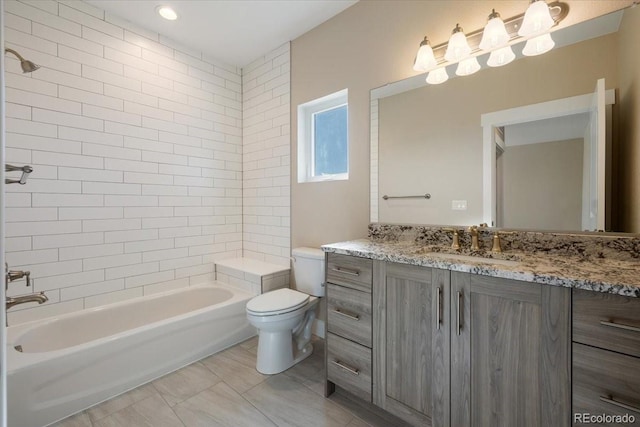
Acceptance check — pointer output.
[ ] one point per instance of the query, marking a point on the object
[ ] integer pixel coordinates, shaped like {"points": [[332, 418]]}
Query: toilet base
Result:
{"points": [[284, 340], [286, 355]]}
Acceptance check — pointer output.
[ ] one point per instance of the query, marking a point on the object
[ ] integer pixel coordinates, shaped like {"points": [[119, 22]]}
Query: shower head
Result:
{"points": [[27, 66]]}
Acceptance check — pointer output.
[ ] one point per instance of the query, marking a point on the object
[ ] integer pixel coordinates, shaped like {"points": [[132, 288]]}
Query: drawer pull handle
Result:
{"points": [[459, 317], [347, 368], [620, 326], [610, 400], [345, 314], [438, 314], [346, 271]]}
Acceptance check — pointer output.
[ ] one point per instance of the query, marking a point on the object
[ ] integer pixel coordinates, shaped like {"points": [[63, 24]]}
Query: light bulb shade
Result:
{"points": [[501, 57], [494, 35], [468, 67], [457, 48], [538, 45], [537, 19], [437, 76], [425, 60]]}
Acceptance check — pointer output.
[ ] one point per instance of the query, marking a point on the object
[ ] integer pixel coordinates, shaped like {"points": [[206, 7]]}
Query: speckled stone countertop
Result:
{"points": [[601, 274]]}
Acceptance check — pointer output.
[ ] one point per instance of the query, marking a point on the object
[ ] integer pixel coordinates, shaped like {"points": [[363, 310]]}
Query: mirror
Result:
{"points": [[419, 147], [548, 154]]}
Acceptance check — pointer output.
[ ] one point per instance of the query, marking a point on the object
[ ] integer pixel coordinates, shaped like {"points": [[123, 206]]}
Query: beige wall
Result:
{"points": [[629, 144], [366, 46], [424, 147], [543, 185]]}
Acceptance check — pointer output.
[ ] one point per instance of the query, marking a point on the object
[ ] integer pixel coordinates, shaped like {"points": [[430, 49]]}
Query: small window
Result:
{"points": [[323, 142]]}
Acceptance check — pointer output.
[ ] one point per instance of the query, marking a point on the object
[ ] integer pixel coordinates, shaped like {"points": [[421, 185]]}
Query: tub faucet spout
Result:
{"points": [[40, 298]]}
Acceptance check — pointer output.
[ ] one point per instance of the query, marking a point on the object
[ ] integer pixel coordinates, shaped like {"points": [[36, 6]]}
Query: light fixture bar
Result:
{"points": [[558, 10]]}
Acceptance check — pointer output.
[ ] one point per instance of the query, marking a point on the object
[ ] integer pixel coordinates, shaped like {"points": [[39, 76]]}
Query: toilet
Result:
{"points": [[284, 317]]}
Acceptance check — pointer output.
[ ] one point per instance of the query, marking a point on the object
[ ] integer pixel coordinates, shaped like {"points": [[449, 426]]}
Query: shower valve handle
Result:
{"points": [[26, 170], [12, 275]]}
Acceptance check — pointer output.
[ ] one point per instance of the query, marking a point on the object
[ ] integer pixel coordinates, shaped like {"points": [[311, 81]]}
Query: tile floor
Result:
{"points": [[226, 390]]}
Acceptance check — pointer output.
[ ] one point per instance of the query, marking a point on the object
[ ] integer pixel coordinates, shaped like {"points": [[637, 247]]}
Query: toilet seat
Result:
{"points": [[277, 302]]}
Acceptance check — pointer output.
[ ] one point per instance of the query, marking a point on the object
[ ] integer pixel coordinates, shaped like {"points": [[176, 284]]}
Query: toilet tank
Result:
{"points": [[308, 269]]}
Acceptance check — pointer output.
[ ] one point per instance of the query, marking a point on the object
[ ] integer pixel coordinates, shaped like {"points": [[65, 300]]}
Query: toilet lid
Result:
{"points": [[277, 302]]}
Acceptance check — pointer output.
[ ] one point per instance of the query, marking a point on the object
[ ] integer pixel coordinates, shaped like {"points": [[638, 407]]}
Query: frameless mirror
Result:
{"points": [[547, 173], [549, 154]]}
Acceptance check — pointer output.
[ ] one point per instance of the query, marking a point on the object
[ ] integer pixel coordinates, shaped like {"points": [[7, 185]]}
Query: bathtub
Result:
{"points": [[71, 362]]}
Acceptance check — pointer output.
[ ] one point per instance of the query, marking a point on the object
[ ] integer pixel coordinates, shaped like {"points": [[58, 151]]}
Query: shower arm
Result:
{"points": [[26, 65], [7, 49]]}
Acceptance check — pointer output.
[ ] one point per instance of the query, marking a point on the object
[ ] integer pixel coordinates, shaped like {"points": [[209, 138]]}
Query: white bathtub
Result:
{"points": [[71, 362]]}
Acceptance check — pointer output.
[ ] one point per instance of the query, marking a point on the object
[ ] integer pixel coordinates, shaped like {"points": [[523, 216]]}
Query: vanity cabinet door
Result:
{"points": [[411, 343], [510, 353]]}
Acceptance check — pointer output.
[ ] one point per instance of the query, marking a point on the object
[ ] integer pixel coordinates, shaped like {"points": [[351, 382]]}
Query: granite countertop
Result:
{"points": [[600, 275]]}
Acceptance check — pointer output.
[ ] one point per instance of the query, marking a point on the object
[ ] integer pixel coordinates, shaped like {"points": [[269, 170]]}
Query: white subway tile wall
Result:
{"points": [[266, 157], [136, 145]]}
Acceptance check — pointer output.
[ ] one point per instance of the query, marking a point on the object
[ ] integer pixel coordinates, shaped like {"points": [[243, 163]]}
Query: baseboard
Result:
{"points": [[318, 328]]}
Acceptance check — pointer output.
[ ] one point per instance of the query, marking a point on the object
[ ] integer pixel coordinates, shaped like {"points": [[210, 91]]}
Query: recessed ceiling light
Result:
{"points": [[167, 13]]}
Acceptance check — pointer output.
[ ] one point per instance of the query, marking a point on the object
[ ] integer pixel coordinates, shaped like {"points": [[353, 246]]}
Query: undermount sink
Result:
{"points": [[474, 259]]}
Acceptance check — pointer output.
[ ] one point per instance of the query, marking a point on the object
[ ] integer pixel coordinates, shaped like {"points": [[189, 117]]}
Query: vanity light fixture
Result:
{"points": [[437, 76], [458, 50], [167, 13], [501, 57], [468, 66], [495, 33], [425, 59], [538, 45], [458, 47], [537, 19], [496, 38]]}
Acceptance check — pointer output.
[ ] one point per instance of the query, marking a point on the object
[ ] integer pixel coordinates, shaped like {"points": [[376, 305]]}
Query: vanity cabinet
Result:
{"points": [[606, 355], [411, 342], [448, 348], [349, 325], [510, 353]]}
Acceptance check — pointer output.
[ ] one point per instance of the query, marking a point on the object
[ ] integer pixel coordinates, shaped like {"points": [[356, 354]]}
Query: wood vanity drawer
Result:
{"points": [[349, 313], [349, 271], [607, 321], [605, 382], [349, 366]]}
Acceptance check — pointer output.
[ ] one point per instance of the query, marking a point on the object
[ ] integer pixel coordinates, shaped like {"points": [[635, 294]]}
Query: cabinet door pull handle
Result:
{"points": [[459, 320], [347, 368], [610, 400], [345, 314], [620, 326], [438, 314], [345, 271]]}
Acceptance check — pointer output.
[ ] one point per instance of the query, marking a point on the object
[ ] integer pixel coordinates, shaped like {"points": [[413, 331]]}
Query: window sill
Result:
{"points": [[324, 178]]}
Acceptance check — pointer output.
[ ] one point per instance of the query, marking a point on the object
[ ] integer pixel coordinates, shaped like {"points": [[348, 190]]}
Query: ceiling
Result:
{"points": [[233, 31], [547, 130]]}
